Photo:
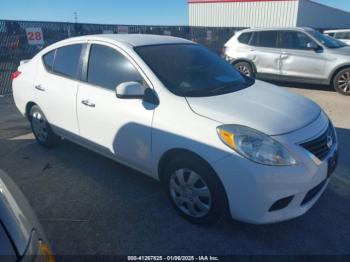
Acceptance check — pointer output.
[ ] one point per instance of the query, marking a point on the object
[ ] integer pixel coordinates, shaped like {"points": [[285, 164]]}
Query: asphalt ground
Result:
{"points": [[90, 205]]}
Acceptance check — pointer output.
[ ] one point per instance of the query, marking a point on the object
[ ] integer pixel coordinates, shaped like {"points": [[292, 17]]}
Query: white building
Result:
{"points": [[266, 13]]}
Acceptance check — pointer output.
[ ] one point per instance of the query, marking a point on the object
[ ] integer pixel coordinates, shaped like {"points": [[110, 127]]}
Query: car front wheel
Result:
{"points": [[342, 82], [41, 128], [195, 191], [245, 68]]}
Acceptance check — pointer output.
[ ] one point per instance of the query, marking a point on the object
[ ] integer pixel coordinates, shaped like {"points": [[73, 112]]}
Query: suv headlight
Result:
{"points": [[255, 145]]}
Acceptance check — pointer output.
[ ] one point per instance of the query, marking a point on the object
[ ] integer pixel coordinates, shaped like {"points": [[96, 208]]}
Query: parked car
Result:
{"points": [[21, 236], [291, 54], [342, 35], [217, 139]]}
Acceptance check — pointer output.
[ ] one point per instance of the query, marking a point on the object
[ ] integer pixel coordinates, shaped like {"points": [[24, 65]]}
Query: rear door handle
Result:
{"points": [[40, 88], [88, 103]]}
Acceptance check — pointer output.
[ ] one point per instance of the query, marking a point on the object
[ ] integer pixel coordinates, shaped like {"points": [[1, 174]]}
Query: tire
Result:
{"points": [[41, 128], [205, 195], [341, 82], [245, 68]]}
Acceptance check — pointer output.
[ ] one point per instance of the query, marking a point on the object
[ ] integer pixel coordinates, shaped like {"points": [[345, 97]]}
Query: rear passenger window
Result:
{"points": [[268, 39], [245, 38], [49, 59], [67, 60], [265, 39], [108, 68]]}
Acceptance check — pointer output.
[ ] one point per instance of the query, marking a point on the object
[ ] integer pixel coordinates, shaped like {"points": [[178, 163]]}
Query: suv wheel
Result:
{"points": [[341, 82], [41, 128], [245, 68], [194, 190]]}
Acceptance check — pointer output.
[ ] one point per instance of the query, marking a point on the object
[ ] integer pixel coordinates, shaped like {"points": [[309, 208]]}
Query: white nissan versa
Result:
{"points": [[170, 108]]}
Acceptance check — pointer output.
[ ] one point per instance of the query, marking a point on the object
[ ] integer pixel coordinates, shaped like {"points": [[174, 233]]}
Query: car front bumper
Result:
{"points": [[262, 194], [265, 194]]}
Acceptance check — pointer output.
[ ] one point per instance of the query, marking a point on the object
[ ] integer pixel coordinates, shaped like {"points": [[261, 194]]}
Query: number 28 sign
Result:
{"points": [[35, 36]]}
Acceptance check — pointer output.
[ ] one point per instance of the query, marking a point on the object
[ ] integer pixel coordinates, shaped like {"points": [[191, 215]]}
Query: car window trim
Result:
{"points": [[85, 66], [119, 50], [52, 72], [54, 57], [276, 42], [250, 37], [296, 31], [258, 35]]}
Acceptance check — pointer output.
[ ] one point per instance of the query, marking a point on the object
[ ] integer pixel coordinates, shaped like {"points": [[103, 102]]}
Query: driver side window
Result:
{"points": [[295, 40], [108, 68]]}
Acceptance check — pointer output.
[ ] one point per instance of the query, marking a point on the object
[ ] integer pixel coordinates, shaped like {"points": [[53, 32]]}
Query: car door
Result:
{"points": [[56, 87], [117, 127], [265, 52], [298, 61]]}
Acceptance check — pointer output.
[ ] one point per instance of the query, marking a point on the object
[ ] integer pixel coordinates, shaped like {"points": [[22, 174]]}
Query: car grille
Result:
{"points": [[320, 146]]}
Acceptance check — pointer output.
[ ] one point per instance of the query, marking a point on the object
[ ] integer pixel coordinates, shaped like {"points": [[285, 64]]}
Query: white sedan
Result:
{"points": [[217, 140]]}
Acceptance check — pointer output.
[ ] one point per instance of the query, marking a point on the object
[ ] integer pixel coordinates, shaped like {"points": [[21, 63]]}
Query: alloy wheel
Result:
{"points": [[39, 126], [244, 69], [190, 193], [344, 82]]}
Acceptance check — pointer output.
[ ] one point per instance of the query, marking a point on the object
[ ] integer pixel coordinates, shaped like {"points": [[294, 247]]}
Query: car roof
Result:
{"points": [[338, 30], [134, 39], [277, 29]]}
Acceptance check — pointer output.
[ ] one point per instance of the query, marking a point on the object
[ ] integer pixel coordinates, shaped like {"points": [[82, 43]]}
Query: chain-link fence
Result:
{"points": [[20, 40]]}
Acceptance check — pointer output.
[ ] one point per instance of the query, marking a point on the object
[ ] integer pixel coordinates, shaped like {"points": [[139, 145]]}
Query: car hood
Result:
{"points": [[264, 107], [16, 214]]}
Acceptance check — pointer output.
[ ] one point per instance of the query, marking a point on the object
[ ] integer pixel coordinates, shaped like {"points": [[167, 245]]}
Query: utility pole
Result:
{"points": [[75, 17]]}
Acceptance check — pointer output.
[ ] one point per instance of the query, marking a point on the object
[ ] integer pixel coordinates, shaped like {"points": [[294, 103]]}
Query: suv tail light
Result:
{"points": [[224, 50], [16, 74]]}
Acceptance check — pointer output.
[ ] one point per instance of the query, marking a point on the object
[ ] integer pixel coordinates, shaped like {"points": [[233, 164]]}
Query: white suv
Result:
{"points": [[342, 35], [291, 54], [179, 113]]}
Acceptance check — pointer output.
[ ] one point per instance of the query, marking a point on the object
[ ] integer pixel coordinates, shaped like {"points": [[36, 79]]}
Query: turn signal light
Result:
{"points": [[45, 253]]}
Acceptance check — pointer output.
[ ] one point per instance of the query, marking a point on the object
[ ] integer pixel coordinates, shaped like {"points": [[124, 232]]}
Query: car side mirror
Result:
{"points": [[313, 46], [130, 90]]}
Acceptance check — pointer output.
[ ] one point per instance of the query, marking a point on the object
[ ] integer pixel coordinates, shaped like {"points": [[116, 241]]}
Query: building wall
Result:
{"points": [[320, 16], [243, 13]]}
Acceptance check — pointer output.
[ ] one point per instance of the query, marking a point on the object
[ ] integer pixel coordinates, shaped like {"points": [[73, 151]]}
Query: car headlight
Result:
{"points": [[255, 146]]}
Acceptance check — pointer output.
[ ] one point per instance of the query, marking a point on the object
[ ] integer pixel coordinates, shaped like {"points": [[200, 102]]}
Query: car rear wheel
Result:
{"points": [[245, 68], [341, 82], [41, 128], [194, 190]]}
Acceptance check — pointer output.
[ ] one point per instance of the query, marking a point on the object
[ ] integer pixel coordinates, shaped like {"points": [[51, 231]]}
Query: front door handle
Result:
{"points": [[284, 55], [88, 103], [40, 88]]}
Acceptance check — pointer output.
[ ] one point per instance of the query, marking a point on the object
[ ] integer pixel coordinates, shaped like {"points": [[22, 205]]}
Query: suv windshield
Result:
{"points": [[192, 70], [326, 40]]}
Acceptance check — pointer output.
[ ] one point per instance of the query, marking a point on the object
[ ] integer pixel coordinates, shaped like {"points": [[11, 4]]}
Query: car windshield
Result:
{"points": [[192, 70], [327, 40]]}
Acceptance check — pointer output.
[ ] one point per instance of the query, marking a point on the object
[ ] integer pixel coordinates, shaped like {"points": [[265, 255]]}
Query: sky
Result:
{"points": [[131, 12]]}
